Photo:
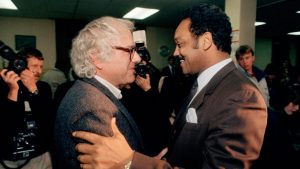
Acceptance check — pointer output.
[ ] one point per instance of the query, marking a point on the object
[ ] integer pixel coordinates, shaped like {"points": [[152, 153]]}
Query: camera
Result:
{"points": [[143, 51], [142, 69], [17, 61], [24, 142]]}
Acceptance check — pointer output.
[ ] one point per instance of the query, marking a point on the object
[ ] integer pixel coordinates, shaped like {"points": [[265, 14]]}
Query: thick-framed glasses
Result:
{"points": [[129, 50]]}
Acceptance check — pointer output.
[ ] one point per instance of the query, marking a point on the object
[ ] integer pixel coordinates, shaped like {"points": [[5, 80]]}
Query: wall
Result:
{"points": [[156, 37], [42, 29], [263, 52]]}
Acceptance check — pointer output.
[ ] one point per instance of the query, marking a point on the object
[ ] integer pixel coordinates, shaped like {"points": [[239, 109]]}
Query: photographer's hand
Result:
{"points": [[143, 83], [11, 79], [29, 80]]}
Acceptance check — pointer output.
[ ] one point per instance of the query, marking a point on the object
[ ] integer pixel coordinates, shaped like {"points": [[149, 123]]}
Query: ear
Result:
{"points": [[207, 40], [95, 60]]}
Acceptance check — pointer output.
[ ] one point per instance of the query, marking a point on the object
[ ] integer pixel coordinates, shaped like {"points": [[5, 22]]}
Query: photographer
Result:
{"points": [[144, 103], [25, 112]]}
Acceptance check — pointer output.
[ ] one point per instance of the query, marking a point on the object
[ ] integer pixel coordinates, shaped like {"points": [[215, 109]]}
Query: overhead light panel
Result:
{"points": [[259, 23], [298, 12], [294, 33], [7, 4], [140, 13]]}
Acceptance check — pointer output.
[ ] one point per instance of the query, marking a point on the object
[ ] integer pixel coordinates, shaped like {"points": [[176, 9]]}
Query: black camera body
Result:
{"points": [[17, 61], [25, 141], [142, 69]]}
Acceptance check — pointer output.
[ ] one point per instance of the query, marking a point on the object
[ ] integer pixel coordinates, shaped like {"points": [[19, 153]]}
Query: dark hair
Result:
{"points": [[243, 49], [210, 18], [32, 52]]}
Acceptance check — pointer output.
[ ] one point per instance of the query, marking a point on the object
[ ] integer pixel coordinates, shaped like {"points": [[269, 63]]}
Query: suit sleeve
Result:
{"points": [[237, 131]]}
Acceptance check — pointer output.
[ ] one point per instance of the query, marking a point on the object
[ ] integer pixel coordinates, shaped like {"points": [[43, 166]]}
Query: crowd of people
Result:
{"points": [[200, 111]]}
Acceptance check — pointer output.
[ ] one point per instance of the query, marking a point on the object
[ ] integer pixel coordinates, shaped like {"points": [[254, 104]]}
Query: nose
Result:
{"points": [[136, 57], [176, 52]]}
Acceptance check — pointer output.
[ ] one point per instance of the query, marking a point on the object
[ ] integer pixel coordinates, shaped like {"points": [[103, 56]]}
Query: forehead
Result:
{"points": [[183, 30], [247, 54], [32, 60], [126, 38]]}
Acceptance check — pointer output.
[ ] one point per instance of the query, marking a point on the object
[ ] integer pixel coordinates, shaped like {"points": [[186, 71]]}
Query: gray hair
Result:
{"points": [[96, 37]]}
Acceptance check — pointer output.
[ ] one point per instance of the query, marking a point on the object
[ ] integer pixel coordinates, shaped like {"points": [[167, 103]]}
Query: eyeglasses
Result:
{"points": [[129, 50]]}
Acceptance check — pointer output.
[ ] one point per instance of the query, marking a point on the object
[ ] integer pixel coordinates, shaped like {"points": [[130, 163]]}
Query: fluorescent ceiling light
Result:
{"points": [[7, 4], [294, 33], [140, 13], [298, 12], [259, 23]]}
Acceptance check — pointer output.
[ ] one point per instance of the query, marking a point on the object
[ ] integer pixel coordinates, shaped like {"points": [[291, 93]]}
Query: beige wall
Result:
{"points": [[156, 37], [42, 29]]}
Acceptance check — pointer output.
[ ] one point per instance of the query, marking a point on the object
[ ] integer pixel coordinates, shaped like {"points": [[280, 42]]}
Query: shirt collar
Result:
{"points": [[115, 91], [206, 75]]}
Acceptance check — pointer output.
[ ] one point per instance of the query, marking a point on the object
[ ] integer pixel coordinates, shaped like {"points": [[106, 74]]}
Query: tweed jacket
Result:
{"points": [[229, 131], [90, 106]]}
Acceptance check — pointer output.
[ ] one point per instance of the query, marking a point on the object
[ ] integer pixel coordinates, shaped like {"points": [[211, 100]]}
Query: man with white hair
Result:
{"points": [[103, 56]]}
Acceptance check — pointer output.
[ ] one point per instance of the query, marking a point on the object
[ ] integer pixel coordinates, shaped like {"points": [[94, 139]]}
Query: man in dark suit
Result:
{"points": [[169, 69], [103, 56], [222, 126]]}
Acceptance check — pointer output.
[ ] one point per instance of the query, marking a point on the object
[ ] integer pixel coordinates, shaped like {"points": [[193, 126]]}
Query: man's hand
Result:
{"points": [[143, 83], [29, 80], [11, 79], [103, 152]]}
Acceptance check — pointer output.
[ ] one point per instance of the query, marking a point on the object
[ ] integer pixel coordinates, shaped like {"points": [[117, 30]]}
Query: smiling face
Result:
{"points": [[190, 48]]}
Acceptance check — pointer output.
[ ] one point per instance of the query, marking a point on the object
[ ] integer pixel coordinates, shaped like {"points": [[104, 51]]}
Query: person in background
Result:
{"points": [[25, 127], [103, 56], [223, 121], [175, 88], [169, 70], [54, 77], [245, 57], [147, 107], [277, 150]]}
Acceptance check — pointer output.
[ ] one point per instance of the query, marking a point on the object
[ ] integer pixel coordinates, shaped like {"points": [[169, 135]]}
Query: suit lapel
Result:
{"points": [[199, 98]]}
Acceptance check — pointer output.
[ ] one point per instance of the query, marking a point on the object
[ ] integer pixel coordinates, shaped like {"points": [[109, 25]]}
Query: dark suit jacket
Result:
{"points": [[232, 118], [166, 71], [90, 106]]}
